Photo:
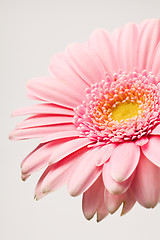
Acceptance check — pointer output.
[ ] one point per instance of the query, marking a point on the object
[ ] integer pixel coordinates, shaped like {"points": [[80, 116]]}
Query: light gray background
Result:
{"points": [[31, 32]]}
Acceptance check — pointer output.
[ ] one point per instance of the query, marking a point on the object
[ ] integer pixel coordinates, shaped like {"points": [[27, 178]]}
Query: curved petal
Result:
{"points": [[61, 69], [128, 202], [45, 108], [41, 120], [40, 132], [155, 68], [38, 191], [24, 177], [106, 152], [85, 173], [149, 38], [33, 97], [113, 186], [37, 159], [85, 63], [127, 47], [54, 91], [142, 141], [152, 150], [102, 210], [124, 161], [103, 44], [146, 184], [112, 201], [60, 135], [144, 23], [93, 201], [62, 148], [89, 202], [59, 172], [156, 130]]}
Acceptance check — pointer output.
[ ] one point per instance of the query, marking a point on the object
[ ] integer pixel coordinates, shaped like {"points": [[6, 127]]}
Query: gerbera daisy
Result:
{"points": [[99, 122]]}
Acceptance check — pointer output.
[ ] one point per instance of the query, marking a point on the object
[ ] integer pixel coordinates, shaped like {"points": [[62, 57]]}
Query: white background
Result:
{"points": [[31, 32]]}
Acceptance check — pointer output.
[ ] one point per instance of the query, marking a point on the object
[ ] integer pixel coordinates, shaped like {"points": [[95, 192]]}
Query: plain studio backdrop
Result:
{"points": [[31, 32]]}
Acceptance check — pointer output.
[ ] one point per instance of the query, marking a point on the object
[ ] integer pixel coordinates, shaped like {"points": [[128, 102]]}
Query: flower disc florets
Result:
{"points": [[120, 108]]}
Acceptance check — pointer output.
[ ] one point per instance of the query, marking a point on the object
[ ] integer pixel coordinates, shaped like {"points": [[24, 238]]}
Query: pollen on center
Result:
{"points": [[125, 110]]}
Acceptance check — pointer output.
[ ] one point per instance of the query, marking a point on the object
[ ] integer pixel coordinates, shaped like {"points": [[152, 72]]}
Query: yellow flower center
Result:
{"points": [[125, 110]]}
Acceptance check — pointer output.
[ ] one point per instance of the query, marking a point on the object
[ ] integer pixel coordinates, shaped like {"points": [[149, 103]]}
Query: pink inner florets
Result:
{"points": [[94, 117]]}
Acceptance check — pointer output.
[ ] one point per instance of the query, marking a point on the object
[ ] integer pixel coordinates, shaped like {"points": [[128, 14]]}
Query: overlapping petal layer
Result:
{"points": [[99, 122]]}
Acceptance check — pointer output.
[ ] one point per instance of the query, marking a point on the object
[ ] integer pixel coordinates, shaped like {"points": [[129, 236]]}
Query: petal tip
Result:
{"points": [[101, 216], [11, 137], [45, 190], [73, 193], [89, 216], [24, 177], [39, 196]]}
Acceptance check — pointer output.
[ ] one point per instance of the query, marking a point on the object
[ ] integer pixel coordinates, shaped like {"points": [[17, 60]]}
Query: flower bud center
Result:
{"points": [[123, 107], [125, 110]]}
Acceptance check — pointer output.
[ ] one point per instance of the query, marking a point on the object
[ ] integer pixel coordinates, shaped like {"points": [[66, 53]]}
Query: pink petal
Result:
{"points": [[37, 159], [127, 47], [38, 191], [107, 151], [39, 132], [41, 120], [103, 44], [149, 38], [60, 135], [102, 210], [85, 173], [54, 91], [25, 177], [115, 35], [61, 69], [60, 172], [45, 108], [124, 160], [128, 202], [112, 201], [62, 148], [85, 63], [156, 63], [156, 130], [113, 186], [152, 150], [144, 23], [146, 184], [101, 207], [93, 198], [142, 141], [33, 97]]}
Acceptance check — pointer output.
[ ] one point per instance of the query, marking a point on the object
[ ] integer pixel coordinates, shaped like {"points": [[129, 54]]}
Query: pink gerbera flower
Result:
{"points": [[100, 121]]}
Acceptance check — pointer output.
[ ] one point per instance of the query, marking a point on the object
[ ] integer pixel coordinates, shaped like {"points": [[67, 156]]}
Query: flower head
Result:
{"points": [[99, 122]]}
